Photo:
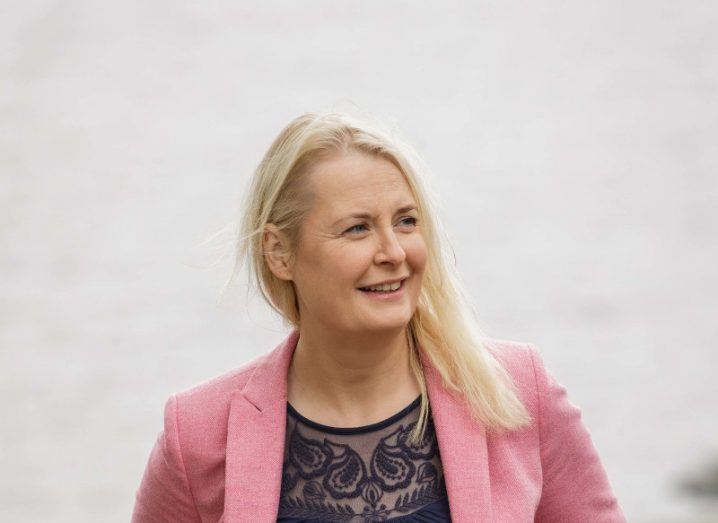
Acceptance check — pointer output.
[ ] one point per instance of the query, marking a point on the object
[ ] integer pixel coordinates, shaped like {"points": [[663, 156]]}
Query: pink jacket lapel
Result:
{"points": [[464, 455], [255, 439], [255, 444]]}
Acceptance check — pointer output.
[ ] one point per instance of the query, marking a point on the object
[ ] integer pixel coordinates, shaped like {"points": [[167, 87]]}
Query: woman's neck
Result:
{"points": [[346, 380]]}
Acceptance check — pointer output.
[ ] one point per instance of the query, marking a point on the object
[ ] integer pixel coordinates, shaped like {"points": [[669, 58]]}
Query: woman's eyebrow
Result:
{"points": [[367, 216]]}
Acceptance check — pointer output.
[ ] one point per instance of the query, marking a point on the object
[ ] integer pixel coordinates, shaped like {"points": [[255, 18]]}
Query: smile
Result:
{"points": [[385, 295]]}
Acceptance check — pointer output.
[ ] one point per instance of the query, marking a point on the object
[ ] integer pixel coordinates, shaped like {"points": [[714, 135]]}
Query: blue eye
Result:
{"points": [[350, 229], [412, 222]]}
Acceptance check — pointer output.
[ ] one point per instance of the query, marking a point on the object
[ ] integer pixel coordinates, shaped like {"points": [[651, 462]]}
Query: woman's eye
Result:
{"points": [[351, 229], [411, 222]]}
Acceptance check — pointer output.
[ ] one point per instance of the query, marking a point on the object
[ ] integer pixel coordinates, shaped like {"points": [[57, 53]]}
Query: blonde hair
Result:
{"points": [[444, 324]]}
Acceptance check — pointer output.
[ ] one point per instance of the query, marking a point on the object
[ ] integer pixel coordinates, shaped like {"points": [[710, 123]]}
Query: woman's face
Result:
{"points": [[339, 253]]}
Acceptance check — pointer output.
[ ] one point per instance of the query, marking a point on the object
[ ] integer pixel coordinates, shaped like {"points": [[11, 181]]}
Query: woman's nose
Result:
{"points": [[390, 250]]}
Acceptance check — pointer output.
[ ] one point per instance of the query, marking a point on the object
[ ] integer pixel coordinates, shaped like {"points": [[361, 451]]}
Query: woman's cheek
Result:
{"points": [[417, 251]]}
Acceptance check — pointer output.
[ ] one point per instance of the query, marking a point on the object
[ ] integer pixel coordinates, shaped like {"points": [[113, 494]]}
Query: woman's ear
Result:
{"points": [[275, 248]]}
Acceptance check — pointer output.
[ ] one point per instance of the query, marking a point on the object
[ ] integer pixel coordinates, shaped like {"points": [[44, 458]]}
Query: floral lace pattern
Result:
{"points": [[363, 474]]}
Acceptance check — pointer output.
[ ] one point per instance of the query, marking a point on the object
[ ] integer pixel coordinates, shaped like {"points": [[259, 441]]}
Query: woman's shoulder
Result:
{"points": [[525, 366], [216, 387], [509, 349], [574, 484], [205, 406], [517, 357]]}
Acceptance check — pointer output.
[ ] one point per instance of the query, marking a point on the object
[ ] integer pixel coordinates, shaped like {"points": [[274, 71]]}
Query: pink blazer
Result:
{"points": [[219, 457]]}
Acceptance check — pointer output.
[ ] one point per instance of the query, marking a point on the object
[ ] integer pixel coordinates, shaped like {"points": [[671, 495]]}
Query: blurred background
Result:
{"points": [[569, 143]]}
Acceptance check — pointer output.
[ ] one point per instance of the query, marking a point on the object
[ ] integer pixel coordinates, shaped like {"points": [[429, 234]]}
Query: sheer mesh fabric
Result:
{"points": [[362, 474]]}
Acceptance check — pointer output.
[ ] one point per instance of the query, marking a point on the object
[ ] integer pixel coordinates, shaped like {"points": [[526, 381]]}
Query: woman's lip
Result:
{"points": [[389, 296], [401, 284]]}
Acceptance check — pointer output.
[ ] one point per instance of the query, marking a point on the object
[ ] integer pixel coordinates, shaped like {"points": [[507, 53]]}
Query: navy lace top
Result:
{"points": [[362, 474]]}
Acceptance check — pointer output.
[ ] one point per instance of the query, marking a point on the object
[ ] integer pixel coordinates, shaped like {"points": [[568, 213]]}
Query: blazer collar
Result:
{"points": [[256, 433]]}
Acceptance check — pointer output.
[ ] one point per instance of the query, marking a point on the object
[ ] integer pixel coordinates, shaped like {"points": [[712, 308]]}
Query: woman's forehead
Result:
{"points": [[371, 196], [356, 178], [353, 184]]}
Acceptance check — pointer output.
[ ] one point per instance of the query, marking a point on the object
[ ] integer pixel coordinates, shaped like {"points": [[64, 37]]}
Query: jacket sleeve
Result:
{"points": [[164, 493], [575, 484]]}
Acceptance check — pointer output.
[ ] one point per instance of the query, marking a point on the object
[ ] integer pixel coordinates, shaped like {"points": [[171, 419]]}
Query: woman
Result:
{"points": [[383, 403]]}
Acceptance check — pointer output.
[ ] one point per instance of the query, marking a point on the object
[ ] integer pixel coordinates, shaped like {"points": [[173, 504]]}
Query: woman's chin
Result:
{"points": [[389, 322]]}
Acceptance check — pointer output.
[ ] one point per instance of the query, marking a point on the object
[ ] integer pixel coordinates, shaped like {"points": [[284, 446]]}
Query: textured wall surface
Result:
{"points": [[569, 143]]}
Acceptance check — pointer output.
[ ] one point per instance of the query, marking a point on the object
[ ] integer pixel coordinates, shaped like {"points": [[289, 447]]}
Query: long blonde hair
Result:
{"points": [[444, 324]]}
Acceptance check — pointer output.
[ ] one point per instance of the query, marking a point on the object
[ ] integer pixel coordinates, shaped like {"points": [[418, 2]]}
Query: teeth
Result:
{"points": [[385, 287]]}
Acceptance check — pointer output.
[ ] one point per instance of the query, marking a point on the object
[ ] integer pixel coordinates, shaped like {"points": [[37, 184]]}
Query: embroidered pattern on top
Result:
{"points": [[336, 472]]}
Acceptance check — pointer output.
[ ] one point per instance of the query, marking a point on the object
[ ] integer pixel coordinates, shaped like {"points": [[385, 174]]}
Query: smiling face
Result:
{"points": [[339, 252]]}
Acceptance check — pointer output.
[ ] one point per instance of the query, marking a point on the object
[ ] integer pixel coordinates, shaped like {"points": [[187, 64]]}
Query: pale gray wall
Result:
{"points": [[570, 143]]}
